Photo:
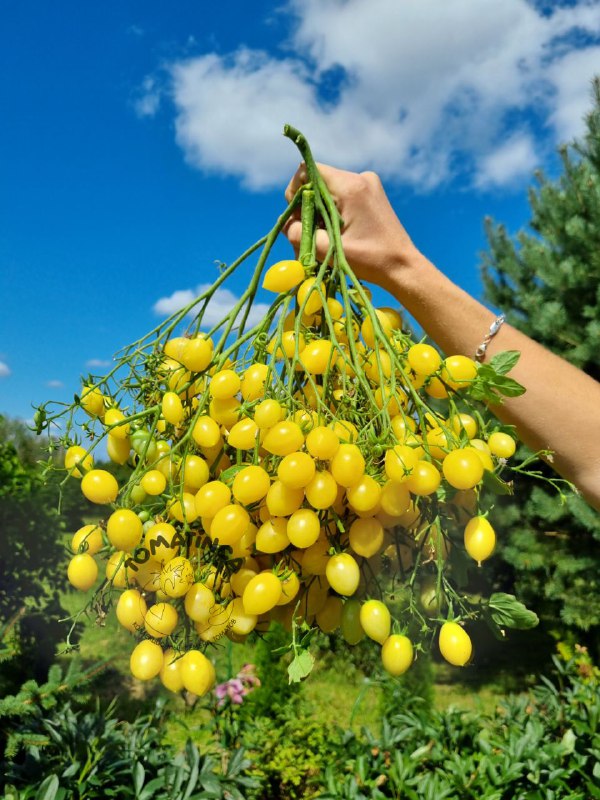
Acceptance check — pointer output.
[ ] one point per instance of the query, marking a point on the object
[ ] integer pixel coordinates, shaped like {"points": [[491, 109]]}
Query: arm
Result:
{"points": [[560, 411]]}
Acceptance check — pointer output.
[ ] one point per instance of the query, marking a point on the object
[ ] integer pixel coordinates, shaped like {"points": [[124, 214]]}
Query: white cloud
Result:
{"points": [[95, 363], [429, 89], [513, 159], [148, 102], [54, 384], [220, 304], [4, 370]]}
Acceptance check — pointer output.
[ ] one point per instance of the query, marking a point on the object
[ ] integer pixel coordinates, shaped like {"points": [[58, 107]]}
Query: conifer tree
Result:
{"points": [[547, 281]]}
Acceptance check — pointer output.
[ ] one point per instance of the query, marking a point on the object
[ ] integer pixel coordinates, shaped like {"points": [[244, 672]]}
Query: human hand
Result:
{"points": [[375, 242]]}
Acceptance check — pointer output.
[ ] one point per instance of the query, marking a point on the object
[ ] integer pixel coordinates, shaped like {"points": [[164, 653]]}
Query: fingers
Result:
{"points": [[293, 231], [300, 177]]}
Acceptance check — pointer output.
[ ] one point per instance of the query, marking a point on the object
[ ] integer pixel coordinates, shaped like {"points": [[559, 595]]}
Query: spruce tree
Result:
{"points": [[547, 281]]}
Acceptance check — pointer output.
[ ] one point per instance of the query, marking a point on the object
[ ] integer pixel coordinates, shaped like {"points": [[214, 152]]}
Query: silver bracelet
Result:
{"points": [[494, 328]]}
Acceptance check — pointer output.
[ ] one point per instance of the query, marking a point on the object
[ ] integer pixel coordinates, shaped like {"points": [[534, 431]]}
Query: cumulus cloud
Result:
{"points": [[513, 159], [96, 363], [417, 89], [4, 370], [54, 383], [220, 304]]}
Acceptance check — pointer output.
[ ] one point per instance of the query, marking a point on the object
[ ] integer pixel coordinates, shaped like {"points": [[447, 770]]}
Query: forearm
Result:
{"points": [[560, 408]]}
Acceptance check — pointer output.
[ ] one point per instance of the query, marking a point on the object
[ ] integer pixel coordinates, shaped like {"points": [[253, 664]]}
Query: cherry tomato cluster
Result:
{"points": [[319, 469]]}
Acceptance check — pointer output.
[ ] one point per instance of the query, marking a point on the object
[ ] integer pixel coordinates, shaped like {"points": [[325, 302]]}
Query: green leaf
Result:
{"points": [[229, 474], [505, 361], [495, 484], [508, 612], [301, 666], [48, 788]]}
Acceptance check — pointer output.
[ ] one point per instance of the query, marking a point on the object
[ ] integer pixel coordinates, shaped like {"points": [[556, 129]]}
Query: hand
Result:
{"points": [[375, 242]]}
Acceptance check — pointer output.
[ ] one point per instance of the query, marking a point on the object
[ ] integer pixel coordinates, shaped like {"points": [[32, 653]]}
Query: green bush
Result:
{"points": [[542, 746], [59, 749]]}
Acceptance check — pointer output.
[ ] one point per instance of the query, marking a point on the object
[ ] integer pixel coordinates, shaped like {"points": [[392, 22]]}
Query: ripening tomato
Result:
{"points": [[365, 495], [272, 536], [115, 417], [212, 497], [347, 465], [303, 528], [243, 435], [224, 384], [400, 460], [229, 523], [329, 618], [455, 644], [424, 479], [283, 276], [199, 601], [162, 541], [176, 577], [366, 536], [206, 432], [131, 610], [501, 444], [322, 491], [318, 356], [170, 672], [464, 422], [253, 382], [82, 571], [88, 539], [315, 558], [435, 443], [343, 574], [124, 529], [174, 348], [375, 620], [197, 354], [118, 449], [161, 620], [283, 438], [423, 359], [436, 389], [378, 368], [262, 593], [395, 498], [310, 296], [116, 572], [92, 401], [463, 468], [147, 575], [146, 660], [290, 586], [367, 329], [194, 473], [282, 500], [296, 470], [322, 443], [250, 484], [458, 371], [352, 630], [78, 460], [197, 673], [99, 486], [172, 408], [183, 508], [397, 654], [153, 482], [267, 413], [479, 538]]}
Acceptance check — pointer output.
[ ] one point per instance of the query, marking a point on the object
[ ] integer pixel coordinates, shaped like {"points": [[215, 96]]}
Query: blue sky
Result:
{"points": [[141, 143]]}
